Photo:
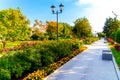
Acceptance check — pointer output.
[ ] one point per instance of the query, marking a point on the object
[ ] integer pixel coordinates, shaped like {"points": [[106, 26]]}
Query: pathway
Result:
{"points": [[87, 66]]}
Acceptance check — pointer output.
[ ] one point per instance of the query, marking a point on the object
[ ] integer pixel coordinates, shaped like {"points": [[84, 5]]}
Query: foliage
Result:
{"points": [[34, 37], [110, 40], [90, 40], [117, 47], [33, 56], [14, 25], [82, 28], [10, 45], [67, 30], [117, 38], [52, 29], [41, 74], [101, 34], [14, 65], [111, 26], [113, 35], [37, 32], [4, 74]]}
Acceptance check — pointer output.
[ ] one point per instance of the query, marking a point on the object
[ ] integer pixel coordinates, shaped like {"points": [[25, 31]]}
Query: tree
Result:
{"points": [[117, 38], [100, 34], [82, 28], [52, 29], [3, 32], [37, 34], [15, 23], [111, 26], [67, 30]]}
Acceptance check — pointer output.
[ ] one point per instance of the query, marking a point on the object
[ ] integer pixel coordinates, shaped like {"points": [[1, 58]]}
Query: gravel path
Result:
{"points": [[87, 66]]}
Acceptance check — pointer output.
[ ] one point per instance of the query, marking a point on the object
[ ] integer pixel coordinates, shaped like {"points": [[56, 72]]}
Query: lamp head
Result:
{"points": [[53, 8], [61, 7]]}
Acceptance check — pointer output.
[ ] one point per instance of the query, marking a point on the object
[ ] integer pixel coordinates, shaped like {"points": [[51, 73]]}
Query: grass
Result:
{"points": [[116, 55], [10, 44]]}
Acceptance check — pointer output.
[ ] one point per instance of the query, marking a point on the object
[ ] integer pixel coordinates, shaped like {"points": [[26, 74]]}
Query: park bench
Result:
{"points": [[106, 55]]}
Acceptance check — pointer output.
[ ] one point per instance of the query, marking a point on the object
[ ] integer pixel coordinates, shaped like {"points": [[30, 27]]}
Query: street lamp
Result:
{"points": [[61, 6]]}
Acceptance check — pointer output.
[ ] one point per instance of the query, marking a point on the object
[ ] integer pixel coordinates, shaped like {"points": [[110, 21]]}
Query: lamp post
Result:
{"points": [[61, 6]]}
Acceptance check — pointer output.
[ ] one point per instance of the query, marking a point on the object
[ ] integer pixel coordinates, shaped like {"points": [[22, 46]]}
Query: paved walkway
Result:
{"points": [[87, 66]]}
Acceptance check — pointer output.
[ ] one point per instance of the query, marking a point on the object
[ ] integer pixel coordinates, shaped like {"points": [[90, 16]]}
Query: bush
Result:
{"points": [[113, 35], [5, 74], [31, 57], [46, 58], [117, 47], [15, 65], [110, 40], [40, 74], [90, 40], [117, 38], [34, 37]]}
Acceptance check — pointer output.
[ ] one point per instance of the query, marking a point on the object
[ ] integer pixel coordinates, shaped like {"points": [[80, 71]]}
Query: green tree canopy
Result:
{"points": [[82, 28], [15, 24], [111, 26], [67, 30], [52, 29]]}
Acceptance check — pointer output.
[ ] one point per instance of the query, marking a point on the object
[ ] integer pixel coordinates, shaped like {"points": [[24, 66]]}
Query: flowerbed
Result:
{"points": [[41, 74], [37, 56], [110, 40], [117, 47]]}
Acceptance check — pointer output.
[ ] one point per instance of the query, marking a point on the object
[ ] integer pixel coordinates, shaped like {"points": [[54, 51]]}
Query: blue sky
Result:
{"points": [[95, 10]]}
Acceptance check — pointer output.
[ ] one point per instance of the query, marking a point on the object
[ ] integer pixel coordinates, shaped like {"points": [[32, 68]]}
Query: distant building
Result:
{"points": [[42, 29]]}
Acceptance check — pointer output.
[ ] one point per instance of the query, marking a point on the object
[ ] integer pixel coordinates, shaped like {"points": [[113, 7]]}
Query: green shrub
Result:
{"points": [[90, 40], [31, 58], [113, 35], [34, 37], [14, 65], [5, 74], [117, 38], [36, 56], [47, 58], [77, 44]]}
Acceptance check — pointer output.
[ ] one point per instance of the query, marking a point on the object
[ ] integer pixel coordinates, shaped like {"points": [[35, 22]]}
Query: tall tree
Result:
{"points": [[82, 28], [117, 38], [67, 30], [111, 26], [52, 29], [15, 23]]}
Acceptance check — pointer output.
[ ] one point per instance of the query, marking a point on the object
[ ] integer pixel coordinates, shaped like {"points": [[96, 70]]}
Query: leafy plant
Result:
{"points": [[118, 36], [5, 74]]}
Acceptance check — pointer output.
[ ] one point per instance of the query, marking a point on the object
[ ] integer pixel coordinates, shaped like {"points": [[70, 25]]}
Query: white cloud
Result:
{"points": [[99, 10]]}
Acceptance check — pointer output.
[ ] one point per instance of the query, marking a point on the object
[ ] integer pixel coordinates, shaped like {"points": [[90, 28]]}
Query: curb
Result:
{"points": [[116, 68]]}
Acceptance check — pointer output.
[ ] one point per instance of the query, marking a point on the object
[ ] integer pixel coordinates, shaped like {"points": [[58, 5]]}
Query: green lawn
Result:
{"points": [[10, 44], [116, 55]]}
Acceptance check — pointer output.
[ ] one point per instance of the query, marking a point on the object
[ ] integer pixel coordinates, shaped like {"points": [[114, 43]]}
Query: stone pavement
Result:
{"points": [[87, 66]]}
